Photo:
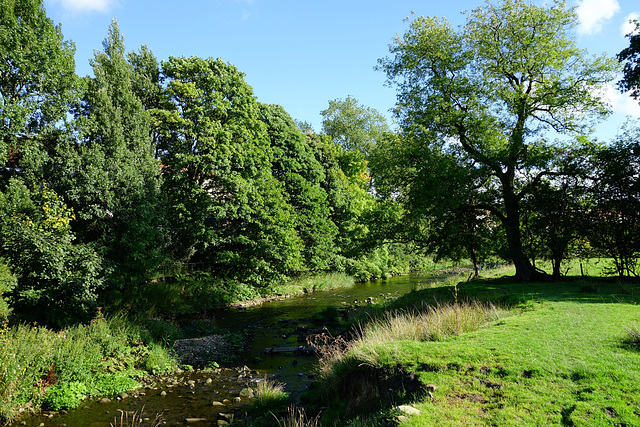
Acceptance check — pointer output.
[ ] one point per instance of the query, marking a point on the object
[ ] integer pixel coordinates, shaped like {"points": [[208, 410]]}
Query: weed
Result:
{"points": [[633, 337], [296, 417], [136, 419]]}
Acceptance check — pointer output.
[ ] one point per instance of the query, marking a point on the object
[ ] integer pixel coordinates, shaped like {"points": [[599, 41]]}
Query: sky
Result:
{"points": [[301, 53]]}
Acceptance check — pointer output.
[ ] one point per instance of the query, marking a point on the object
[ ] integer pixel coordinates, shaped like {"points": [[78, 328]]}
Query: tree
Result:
{"points": [[37, 75], [57, 279], [226, 208], [488, 94], [630, 56], [615, 217], [109, 174], [353, 126], [555, 219], [294, 164]]}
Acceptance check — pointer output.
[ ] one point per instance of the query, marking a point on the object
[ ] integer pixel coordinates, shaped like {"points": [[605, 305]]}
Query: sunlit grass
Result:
{"points": [[566, 354], [270, 396]]}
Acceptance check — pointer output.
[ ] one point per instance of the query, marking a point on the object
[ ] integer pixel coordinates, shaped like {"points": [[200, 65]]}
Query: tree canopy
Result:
{"points": [[485, 97], [37, 74]]}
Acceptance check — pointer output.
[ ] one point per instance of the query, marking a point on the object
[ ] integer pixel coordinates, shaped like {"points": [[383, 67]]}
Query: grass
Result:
{"points": [[296, 417], [270, 396], [57, 370], [313, 283], [566, 355]]}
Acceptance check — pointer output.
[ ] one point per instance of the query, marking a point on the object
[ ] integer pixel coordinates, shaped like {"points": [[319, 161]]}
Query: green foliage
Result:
{"points": [[59, 369], [474, 103], [57, 279], [615, 217], [555, 223], [65, 396], [295, 165], [110, 176], [8, 282], [226, 207], [630, 56], [353, 126], [37, 75]]}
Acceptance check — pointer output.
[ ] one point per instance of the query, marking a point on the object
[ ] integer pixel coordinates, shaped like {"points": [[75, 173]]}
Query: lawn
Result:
{"points": [[560, 354]]}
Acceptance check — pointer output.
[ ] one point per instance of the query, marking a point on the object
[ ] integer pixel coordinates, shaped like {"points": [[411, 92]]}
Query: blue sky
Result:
{"points": [[302, 53]]}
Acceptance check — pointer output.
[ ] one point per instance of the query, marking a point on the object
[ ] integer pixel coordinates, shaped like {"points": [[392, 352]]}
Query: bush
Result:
{"points": [[58, 369], [8, 281], [65, 396], [57, 279]]}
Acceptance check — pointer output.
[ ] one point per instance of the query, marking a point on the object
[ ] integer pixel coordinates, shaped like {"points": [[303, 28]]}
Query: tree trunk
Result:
{"points": [[474, 259], [524, 269]]}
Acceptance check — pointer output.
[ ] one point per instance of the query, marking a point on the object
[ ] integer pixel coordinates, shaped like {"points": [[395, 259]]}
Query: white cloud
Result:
{"points": [[628, 26], [622, 103], [593, 13], [83, 6]]}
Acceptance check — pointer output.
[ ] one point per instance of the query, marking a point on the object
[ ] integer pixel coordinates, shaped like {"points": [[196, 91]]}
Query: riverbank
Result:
{"points": [[118, 352], [561, 353]]}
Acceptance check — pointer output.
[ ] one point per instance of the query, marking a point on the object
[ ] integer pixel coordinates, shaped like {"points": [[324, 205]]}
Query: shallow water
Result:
{"points": [[188, 398]]}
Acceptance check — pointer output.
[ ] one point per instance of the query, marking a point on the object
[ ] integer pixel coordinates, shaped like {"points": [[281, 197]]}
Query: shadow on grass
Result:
{"points": [[508, 292]]}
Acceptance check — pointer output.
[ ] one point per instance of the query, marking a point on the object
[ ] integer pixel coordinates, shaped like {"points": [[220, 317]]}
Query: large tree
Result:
{"points": [[108, 173], [295, 166], [630, 56], [227, 210], [37, 75], [487, 95]]}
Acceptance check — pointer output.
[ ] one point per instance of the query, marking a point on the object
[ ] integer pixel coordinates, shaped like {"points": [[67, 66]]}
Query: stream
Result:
{"points": [[276, 330]]}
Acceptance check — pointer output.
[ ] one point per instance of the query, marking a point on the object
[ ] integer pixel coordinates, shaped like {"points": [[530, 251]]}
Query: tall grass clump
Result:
{"points": [[296, 417], [432, 323], [633, 337], [270, 396]]}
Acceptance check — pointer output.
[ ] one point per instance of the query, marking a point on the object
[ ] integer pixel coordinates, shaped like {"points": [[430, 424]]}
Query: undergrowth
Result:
{"points": [[56, 370]]}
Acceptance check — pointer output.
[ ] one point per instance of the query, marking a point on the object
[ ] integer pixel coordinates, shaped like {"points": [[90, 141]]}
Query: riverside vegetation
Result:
{"points": [[492, 351], [155, 190]]}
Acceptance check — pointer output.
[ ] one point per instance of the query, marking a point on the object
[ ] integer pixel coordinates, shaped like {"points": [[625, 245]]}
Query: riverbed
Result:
{"points": [[276, 349]]}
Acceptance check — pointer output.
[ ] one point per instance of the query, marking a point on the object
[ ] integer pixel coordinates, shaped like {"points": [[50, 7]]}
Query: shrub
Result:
{"points": [[8, 281], [65, 396]]}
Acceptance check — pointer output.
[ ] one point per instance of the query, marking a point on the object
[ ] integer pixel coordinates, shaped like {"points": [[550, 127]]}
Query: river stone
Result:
{"points": [[226, 401], [105, 400], [208, 381], [163, 393], [236, 399], [222, 423], [246, 392], [123, 395], [408, 410], [195, 420], [226, 417], [216, 403]]}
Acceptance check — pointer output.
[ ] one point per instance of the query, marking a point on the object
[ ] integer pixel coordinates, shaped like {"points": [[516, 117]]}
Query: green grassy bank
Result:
{"points": [[498, 353], [41, 368]]}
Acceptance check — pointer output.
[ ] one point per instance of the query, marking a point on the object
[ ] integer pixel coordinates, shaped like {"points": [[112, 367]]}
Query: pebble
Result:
{"points": [[246, 392], [216, 403]]}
